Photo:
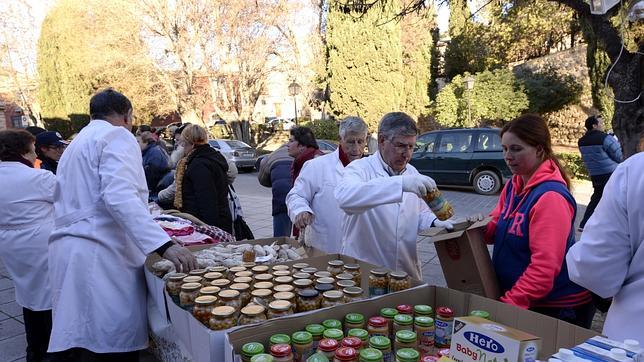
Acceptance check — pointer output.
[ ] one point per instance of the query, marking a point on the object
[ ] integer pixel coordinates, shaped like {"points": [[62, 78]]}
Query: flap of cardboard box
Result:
{"points": [[460, 227]]}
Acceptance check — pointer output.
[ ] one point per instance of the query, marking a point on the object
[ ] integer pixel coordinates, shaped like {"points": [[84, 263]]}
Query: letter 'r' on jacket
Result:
{"points": [[601, 152]]}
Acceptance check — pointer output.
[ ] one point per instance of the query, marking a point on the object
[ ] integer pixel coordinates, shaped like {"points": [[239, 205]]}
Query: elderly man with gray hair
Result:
{"points": [[382, 198], [311, 201]]}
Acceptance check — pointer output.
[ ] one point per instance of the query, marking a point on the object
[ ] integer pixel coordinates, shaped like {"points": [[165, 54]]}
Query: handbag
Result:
{"points": [[241, 230]]}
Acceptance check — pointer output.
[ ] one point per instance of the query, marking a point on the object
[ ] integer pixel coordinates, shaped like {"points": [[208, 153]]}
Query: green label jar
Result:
{"points": [[251, 349], [353, 320], [262, 357], [407, 355], [423, 310], [332, 324], [316, 331], [403, 322], [383, 344], [333, 334], [405, 339], [480, 313], [389, 314], [302, 345], [317, 357], [425, 330], [363, 334], [370, 355], [279, 339]]}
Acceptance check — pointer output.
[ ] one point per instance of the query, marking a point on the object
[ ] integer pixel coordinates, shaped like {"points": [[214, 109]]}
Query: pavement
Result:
{"points": [[256, 204]]}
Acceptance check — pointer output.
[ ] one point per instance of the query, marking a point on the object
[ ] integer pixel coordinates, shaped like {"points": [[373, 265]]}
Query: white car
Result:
{"points": [[243, 155], [281, 124]]}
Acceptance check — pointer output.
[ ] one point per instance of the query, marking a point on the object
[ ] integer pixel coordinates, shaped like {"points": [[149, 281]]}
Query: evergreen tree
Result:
{"points": [[417, 48], [459, 16]]}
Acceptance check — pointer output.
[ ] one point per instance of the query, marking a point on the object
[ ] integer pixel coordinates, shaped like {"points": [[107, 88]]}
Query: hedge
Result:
{"points": [[574, 164]]}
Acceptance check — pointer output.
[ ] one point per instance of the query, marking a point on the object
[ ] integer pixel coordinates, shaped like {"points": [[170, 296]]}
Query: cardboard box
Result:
{"points": [[465, 259], [478, 339], [552, 332]]}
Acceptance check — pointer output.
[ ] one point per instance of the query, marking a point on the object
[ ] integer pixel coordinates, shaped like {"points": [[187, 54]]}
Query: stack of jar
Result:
{"points": [[382, 281]]}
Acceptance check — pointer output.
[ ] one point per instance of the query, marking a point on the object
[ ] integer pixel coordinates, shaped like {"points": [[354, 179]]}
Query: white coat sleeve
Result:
{"points": [[300, 197], [47, 181], [356, 193], [425, 215], [120, 171], [600, 260]]}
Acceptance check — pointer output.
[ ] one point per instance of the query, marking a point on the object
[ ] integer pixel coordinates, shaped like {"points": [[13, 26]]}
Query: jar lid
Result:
{"points": [[370, 355], [379, 342], [283, 279], [213, 275], [281, 350], [223, 311], [333, 334], [236, 269], [190, 286], [262, 357], [363, 334], [398, 274], [322, 274], [252, 348], [192, 279], [260, 269], [220, 282], [325, 280], [243, 274], [377, 321], [309, 270], [480, 313], [328, 345], [315, 329], [424, 321], [335, 263], [284, 288], [332, 324], [333, 294], [423, 309], [220, 269], [353, 342], [302, 283], [445, 312], [344, 276], [228, 293], [280, 339], [352, 266], [354, 318], [281, 273], [379, 272], [209, 290], [301, 275], [263, 285], [198, 272], [346, 283], [280, 305], [405, 309], [261, 293], [403, 319], [246, 280], [406, 336], [301, 337], [280, 267], [353, 291], [388, 313], [239, 286], [407, 355], [175, 277], [346, 354], [253, 310], [205, 299], [284, 295], [317, 357], [429, 358], [308, 293], [248, 264], [300, 265]]}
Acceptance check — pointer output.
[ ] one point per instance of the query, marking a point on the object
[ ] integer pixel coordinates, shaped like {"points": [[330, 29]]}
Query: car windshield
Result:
{"points": [[237, 144]]}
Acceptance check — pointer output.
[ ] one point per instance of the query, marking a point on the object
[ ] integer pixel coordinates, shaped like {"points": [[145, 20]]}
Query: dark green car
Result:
{"points": [[463, 157]]}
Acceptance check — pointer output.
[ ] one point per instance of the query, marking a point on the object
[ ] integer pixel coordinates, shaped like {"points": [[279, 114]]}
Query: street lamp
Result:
{"points": [[294, 89], [469, 85]]}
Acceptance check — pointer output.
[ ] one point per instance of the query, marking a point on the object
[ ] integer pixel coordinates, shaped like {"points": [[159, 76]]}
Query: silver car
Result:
{"points": [[243, 155]]}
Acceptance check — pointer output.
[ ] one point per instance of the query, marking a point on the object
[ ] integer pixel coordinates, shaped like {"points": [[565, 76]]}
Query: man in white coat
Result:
{"points": [[381, 195], [102, 234], [311, 201], [609, 257]]}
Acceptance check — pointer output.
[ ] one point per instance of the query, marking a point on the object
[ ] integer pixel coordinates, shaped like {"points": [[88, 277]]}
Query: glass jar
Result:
{"points": [[279, 267], [377, 326], [284, 288], [383, 344], [264, 277], [249, 255], [279, 308], [317, 357], [328, 347], [301, 275], [422, 310], [173, 285], [307, 300], [209, 291], [236, 269], [322, 274], [378, 282], [283, 279], [343, 277], [329, 280], [260, 269], [353, 342], [335, 267], [189, 292], [251, 349], [281, 273], [444, 322], [303, 284], [287, 296], [399, 280], [480, 313], [202, 309], [282, 353], [197, 272], [192, 279], [341, 284], [221, 283], [297, 267], [230, 298], [316, 331], [244, 280], [279, 339], [333, 333], [345, 354], [244, 273], [403, 322], [265, 296], [353, 320], [252, 314], [362, 334], [222, 318], [407, 355], [425, 330], [262, 357], [332, 298], [309, 270], [323, 288], [302, 345], [389, 314], [244, 292], [210, 276], [352, 294], [263, 285], [370, 355], [332, 324], [405, 339], [405, 309]]}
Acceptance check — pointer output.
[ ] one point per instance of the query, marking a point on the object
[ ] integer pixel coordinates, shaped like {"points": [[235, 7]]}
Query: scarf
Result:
{"points": [[178, 180], [343, 157], [297, 165], [20, 159]]}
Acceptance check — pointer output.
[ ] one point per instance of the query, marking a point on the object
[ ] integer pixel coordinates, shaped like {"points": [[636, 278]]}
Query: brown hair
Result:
{"points": [[195, 135], [533, 130], [14, 143]]}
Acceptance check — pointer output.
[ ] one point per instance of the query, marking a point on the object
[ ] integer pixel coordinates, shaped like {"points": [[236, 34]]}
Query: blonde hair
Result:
{"points": [[195, 135]]}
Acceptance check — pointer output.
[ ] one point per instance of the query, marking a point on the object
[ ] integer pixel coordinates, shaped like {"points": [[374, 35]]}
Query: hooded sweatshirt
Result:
{"points": [[532, 229]]}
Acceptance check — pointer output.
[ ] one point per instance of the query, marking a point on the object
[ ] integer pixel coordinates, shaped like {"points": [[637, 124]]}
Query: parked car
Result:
{"points": [[463, 157], [243, 155], [327, 146], [281, 124]]}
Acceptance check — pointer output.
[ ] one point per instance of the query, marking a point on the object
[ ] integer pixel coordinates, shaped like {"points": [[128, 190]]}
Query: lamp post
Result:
{"points": [[469, 85], [294, 89]]}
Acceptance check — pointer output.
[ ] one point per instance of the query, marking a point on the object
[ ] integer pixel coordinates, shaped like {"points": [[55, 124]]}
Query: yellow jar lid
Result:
{"points": [[206, 299], [253, 310], [263, 285], [284, 288], [284, 295], [239, 286], [260, 269], [190, 286], [220, 282], [228, 293], [261, 293], [280, 305], [223, 311], [192, 279]]}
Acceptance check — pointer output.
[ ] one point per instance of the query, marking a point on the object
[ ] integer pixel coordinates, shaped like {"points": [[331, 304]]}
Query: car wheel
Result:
{"points": [[486, 183]]}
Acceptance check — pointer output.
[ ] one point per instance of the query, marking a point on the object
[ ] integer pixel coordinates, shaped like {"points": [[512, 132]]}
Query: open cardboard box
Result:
{"points": [[554, 333], [465, 259], [208, 345]]}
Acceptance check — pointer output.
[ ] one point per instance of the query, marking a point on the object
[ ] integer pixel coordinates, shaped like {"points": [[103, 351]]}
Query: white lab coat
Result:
{"points": [[26, 220], [103, 232], [382, 222], [609, 257], [313, 192]]}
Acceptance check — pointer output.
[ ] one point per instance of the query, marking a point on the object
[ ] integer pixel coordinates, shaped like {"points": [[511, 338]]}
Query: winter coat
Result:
{"points": [[275, 172], [601, 152]]}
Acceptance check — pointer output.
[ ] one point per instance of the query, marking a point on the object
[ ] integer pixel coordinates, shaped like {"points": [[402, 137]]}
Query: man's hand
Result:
{"points": [[303, 219], [418, 184], [447, 225], [183, 260]]}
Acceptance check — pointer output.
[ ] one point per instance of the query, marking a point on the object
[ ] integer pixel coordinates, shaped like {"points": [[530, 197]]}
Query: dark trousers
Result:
{"points": [[37, 330], [599, 182], [581, 316], [84, 355], [281, 225]]}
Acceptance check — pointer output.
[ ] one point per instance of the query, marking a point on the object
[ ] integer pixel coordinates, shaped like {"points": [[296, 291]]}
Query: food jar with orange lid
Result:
{"points": [[202, 309], [252, 314], [189, 292], [279, 308], [222, 318], [335, 267]]}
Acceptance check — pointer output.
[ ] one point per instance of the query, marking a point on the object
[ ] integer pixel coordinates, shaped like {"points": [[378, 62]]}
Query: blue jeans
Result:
{"points": [[281, 225]]}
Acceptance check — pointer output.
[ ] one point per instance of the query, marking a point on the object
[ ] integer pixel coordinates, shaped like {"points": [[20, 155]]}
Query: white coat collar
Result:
{"points": [[336, 156], [387, 168]]}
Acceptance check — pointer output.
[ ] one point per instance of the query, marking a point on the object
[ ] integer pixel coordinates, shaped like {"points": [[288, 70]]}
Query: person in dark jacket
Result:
{"points": [[49, 148], [275, 172], [201, 181], [156, 162], [601, 154]]}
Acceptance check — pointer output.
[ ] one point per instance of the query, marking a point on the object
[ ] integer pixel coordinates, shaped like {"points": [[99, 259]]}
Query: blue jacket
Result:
{"points": [[156, 163], [601, 152], [275, 172]]}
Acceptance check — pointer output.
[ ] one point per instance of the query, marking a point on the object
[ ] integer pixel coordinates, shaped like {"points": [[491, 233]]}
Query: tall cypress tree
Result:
{"points": [[417, 44]]}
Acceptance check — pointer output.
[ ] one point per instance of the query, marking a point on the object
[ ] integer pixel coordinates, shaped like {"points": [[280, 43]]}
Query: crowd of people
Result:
{"points": [[76, 228]]}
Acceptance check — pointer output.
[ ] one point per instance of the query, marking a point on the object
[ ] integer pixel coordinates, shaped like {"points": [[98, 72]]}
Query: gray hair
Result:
{"points": [[397, 124], [353, 124]]}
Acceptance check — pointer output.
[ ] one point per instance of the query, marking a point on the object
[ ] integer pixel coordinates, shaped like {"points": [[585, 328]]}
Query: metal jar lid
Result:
{"points": [[191, 286]]}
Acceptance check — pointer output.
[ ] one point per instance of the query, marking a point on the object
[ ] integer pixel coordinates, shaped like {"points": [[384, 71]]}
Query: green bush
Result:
{"points": [[323, 129], [548, 90], [574, 165]]}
